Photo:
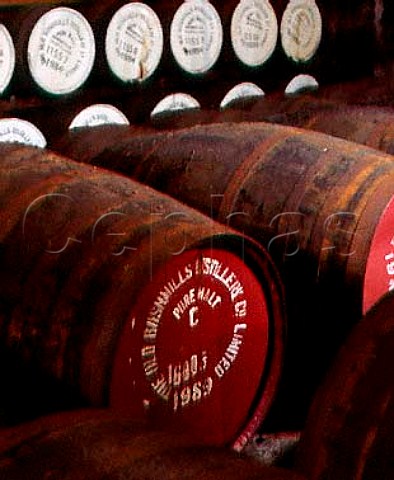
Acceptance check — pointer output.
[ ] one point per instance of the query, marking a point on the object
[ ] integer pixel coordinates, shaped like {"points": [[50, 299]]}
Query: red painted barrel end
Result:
{"points": [[202, 348]]}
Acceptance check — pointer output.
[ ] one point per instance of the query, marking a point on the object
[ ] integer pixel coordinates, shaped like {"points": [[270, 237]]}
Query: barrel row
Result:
{"points": [[114, 294], [367, 199], [366, 125], [322, 243], [364, 401], [321, 206], [173, 44], [358, 111], [349, 429]]}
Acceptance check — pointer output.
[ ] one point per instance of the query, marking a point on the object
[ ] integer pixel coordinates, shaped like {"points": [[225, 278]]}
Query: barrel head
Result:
{"points": [[194, 352]]}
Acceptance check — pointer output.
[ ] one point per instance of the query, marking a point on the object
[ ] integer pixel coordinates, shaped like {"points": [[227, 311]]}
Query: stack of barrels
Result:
{"points": [[76, 50], [191, 288]]}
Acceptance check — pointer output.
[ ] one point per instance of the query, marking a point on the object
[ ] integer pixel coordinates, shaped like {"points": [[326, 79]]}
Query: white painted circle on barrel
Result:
{"points": [[254, 31], [175, 102], [243, 91], [61, 51], [301, 30], [301, 83], [7, 58], [16, 130], [196, 36], [134, 42], [99, 114]]}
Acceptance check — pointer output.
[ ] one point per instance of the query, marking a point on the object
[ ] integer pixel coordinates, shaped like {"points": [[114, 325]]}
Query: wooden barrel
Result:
{"points": [[130, 48], [55, 118], [173, 120], [112, 292], [368, 125], [350, 425], [371, 90], [251, 46], [321, 205], [330, 40], [85, 144], [101, 445]]}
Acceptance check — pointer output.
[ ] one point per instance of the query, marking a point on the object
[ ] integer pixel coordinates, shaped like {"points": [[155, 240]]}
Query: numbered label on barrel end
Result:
{"points": [[254, 31], [61, 51], [174, 103], [301, 83], [134, 42], [99, 114], [7, 58], [379, 274], [194, 351], [243, 91], [196, 36], [16, 130], [301, 30]]}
